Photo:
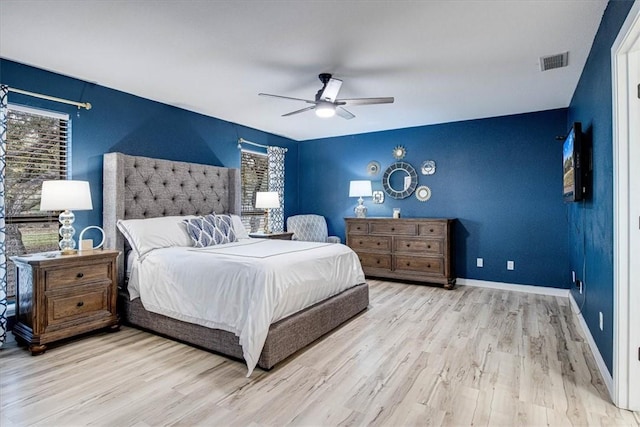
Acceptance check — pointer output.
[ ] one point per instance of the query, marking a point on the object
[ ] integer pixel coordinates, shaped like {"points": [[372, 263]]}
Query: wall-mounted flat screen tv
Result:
{"points": [[573, 165]]}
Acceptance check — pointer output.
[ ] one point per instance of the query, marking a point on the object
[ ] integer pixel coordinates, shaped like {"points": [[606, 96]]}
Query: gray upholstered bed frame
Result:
{"points": [[141, 187]]}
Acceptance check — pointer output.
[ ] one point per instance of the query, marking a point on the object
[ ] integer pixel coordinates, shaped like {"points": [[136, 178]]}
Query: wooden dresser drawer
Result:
{"points": [[375, 260], [381, 243], [357, 227], [418, 264], [394, 228], [418, 246], [60, 278], [67, 307], [434, 229]]}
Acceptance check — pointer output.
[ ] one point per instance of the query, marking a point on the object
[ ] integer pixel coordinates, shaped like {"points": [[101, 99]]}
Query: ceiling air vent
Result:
{"points": [[554, 61]]}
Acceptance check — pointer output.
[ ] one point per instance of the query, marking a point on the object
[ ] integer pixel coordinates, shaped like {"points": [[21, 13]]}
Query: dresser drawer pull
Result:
{"points": [[80, 275], [80, 304], [360, 242], [377, 261], [428, 265], [408, 245], [428, 246], [431, 230], [378, 243], [408, 264], [393, 229]]}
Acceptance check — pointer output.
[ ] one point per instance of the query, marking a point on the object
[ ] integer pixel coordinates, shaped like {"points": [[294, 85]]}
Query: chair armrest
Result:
{"points": [[333, 239]]}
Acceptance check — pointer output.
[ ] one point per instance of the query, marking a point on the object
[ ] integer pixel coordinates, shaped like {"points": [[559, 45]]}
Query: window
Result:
{"points": [[254, 171], [37, 150]]}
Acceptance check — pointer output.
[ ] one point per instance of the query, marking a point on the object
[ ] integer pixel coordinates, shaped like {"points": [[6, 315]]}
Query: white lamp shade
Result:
{"points": [[360, 188], [65, 195], [267, 199]]}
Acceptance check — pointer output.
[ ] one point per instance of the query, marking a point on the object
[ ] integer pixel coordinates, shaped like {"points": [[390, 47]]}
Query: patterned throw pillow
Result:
{"points": [[210, 230], [223, 225], [201, 231]]}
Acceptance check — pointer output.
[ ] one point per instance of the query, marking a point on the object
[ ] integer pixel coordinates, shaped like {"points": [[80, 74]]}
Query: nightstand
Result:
{"points": [[60, 296], [285, 235]]}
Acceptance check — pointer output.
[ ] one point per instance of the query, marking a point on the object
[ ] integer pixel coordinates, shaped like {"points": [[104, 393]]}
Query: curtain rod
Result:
{"points": [[244, 141], [51, 98]]}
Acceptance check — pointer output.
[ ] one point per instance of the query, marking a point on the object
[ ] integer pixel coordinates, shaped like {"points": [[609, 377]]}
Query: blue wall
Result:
{"points": [[500, 177], [129, 124], [591, 221]]}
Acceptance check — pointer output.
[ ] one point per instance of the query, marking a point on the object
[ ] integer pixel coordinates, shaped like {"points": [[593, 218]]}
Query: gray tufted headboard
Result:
{"points": [[141, 187]]}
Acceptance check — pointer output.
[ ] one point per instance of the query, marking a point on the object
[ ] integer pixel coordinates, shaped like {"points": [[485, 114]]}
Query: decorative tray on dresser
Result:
{"points": [[60, 296], [416, 249]]}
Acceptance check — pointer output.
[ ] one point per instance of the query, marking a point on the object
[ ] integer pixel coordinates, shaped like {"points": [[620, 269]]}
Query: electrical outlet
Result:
{"points": [[579, 284], [573, 276], [510, 265], [479, 262], [601, 321]]}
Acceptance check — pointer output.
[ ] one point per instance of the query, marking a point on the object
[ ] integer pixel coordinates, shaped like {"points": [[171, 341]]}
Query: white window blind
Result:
{"points": [[37, 150], [254, 171]]}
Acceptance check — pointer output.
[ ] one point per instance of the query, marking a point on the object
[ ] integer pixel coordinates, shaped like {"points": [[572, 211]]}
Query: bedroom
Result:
{"points": [[475, 170]]}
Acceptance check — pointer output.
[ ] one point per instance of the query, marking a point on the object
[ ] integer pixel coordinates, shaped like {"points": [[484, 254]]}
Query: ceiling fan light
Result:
{"points": [[325, 110]]}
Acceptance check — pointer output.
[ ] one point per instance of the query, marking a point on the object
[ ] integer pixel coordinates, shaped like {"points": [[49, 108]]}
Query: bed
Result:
{"points": [[141, 188]]}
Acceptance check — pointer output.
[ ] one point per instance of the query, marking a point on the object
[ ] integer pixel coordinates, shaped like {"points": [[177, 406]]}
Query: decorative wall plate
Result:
{"points": [[378, 197], [423, 193], [428, 167], [399, 152], [405, 181], [373, 168]]}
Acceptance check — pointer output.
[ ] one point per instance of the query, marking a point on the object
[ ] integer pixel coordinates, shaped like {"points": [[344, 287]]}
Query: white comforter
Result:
{"points": [[243, 287]]}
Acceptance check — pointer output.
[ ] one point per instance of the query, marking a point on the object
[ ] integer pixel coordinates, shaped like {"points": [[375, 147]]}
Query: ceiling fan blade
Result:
{"points": [[365, 101], [331, 90], [302, 110], [345, 114], [287, 97]]}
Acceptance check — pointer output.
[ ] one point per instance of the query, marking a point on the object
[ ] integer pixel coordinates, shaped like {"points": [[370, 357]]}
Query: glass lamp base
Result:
{"points": [[361, 209], [67, 244]]}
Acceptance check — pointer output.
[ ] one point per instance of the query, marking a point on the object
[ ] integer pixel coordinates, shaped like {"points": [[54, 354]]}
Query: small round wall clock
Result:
{"points": [[428, 167], [423, 193]]}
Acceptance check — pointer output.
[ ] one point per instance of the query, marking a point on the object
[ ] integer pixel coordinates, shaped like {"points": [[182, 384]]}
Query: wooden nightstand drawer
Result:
{"points": [[417, 264], [68, 307], [358, 243], [357, 227], [78, 275], [418, 246]]}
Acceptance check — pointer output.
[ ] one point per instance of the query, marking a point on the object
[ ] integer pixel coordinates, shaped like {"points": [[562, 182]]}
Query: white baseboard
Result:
{"points": [[540, 290], [602, 367]]}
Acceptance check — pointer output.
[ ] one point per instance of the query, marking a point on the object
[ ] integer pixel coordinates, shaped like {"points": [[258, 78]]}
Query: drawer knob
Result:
{"points": [[377, 261], [80, 304], [378, 243], [393, 229], [408, 264], [428, 246], [360, 242], [80, 275], [408, 245], [431, 230], [428, 265]]}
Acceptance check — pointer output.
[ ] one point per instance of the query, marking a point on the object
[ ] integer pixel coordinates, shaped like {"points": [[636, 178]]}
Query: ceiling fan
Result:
{"points": [[326, 103]]}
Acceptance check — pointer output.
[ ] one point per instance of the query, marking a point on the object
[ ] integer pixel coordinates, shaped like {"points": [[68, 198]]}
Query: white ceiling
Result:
{"points": [[443, 61]]}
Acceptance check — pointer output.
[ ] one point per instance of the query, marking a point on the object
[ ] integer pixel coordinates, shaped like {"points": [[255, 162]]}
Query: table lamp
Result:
{"points": [[66, 195], [267, 200], [360, 188]]}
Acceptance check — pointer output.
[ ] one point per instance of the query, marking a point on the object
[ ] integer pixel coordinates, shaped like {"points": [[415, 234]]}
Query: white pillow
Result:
{"points": [[238, 227], [144, 235]]}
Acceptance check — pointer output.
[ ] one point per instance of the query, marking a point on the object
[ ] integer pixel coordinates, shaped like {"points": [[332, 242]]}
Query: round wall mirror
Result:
{"points": [[399, 180]]}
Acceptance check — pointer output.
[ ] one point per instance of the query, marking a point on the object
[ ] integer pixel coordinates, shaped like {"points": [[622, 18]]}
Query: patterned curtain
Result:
{"points": [[4, 90], [276, 183]]}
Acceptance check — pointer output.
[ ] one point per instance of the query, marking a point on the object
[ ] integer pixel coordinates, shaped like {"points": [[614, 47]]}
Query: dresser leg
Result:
{"points": [[37, 349], [114, 328], [451, 283]]}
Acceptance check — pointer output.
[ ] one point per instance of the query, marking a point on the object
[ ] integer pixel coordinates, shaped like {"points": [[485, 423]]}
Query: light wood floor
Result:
{"points": [[418, 356]]}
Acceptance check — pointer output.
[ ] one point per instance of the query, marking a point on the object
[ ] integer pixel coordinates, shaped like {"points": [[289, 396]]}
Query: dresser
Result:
{"points": [[60, 296], [416, 249]]}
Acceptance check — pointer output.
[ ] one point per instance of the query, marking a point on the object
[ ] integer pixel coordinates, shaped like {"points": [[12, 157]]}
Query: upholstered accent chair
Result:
{"points": [[310, 228]]}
